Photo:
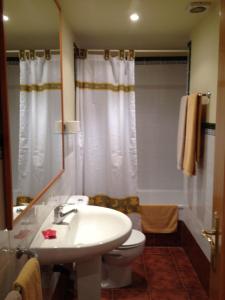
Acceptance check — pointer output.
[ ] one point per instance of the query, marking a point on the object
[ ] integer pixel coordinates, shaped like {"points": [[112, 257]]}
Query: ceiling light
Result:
{"points": [[5, 18], [134, 17], [198, 7]]}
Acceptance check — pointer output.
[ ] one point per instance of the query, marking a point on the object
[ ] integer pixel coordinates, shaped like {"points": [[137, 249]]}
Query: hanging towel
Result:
{"points": [[29, 281], [190, 149], [159, 218], [201, 112], [13, 295], [181, 132]]}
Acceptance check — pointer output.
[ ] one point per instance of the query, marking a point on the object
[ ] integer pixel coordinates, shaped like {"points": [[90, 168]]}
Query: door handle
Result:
{"points": [[212, 236]]}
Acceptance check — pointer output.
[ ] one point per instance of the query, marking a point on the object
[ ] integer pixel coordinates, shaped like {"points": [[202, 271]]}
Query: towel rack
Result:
{"points": [[19, 252], [208, 94], [29, 253]]}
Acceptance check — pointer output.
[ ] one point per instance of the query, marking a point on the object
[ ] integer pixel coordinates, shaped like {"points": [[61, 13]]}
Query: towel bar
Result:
{"points": [[208, 94], [19, 252]]}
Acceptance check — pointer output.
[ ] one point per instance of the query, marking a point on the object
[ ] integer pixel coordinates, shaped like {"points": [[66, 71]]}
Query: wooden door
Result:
{"points": [[4, 124], [217, 274]]}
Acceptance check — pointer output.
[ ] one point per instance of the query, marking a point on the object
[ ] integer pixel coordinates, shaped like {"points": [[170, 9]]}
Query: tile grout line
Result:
{"points": [[178, 273]]}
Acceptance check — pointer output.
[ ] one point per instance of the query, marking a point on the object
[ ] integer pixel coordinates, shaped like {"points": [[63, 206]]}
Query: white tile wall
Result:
{"points": [[159, 88], [199, 195]]}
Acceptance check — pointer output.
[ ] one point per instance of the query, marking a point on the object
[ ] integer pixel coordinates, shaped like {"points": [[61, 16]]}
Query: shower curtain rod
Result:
{"points": [[36, 50], [143, 51]]}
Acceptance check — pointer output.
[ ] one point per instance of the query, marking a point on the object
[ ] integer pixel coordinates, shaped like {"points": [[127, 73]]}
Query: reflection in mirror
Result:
{"points": [[34, 96]]}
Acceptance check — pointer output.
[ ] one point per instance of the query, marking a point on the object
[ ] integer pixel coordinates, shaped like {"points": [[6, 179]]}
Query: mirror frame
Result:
{"points": [[7, 166]]}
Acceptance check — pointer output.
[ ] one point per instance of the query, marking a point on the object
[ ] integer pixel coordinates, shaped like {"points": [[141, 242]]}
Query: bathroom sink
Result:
{"points": [[91, 231]]}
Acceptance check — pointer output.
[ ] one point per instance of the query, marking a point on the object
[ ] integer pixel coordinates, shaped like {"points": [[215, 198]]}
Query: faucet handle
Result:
{"points": [[57, 209]]}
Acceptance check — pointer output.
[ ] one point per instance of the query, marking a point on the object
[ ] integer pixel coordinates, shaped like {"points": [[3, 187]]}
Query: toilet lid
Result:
{"points": [[136, 237]]}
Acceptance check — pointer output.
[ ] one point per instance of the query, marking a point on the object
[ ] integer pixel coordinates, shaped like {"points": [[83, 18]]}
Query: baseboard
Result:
{"points": [[165, 239], [183, 238]]}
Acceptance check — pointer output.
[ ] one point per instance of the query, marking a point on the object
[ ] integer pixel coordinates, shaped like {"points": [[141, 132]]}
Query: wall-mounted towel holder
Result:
{"points": [[19, 252], [208, 95], [27, 252]]}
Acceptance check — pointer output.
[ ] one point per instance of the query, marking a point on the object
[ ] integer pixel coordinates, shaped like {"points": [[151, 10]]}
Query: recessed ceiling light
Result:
{"points": [[198, 7], [134, 17], [5, 18]]}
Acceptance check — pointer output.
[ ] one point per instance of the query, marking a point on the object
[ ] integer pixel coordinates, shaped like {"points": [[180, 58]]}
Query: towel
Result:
{"points": [[181, 132], [191, 139], [29, 281], [201, 113], [159, 218], [13, 295]]}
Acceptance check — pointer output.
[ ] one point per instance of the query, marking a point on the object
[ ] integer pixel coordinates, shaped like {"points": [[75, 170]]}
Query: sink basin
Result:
{"points": [[92, 231]]}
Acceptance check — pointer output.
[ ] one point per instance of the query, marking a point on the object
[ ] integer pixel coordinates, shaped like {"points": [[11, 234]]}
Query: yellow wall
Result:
{"points": [[204, 59], [68, 72]]}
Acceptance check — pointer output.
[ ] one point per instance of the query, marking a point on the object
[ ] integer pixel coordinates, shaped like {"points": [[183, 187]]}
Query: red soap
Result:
{"points": [[49, 234]]}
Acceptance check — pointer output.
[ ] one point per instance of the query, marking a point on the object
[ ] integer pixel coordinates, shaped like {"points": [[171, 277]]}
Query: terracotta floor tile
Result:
{"points": [[180, 259], [139, 276], [164, 280], [190, 279], [156, 251], [130, 294], [159, 263], [106, 295], [169, 295], [161, 273], [176, 251], [197, 294]]}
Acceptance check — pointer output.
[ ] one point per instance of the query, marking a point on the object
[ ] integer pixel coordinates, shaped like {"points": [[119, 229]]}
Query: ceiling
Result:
{"points": [[101, 24], [33, 24], [105, 24]]}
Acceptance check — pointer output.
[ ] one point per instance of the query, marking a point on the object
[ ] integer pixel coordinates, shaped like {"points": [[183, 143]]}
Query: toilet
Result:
{"points": [[116, 264]]}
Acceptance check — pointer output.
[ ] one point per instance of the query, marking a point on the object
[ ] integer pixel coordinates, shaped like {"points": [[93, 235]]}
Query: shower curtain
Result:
{"points": [[106, 146], [40, 96]]}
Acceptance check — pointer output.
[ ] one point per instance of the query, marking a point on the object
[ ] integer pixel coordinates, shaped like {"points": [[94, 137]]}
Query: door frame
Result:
{"points": [[217, 277]]}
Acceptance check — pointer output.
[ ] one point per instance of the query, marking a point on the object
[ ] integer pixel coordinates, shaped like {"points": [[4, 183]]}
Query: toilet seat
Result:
{"points": [[136, 238]]}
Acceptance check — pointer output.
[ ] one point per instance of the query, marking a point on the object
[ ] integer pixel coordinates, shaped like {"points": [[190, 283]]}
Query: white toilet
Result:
{"points": [[116, 264]]}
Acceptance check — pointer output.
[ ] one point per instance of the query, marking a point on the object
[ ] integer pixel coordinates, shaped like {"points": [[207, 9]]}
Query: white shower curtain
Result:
{"points": [[39, 145], [106, 146]]}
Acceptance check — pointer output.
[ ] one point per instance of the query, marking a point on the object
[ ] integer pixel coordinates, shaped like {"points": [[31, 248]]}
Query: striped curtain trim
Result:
{"points": [[104, 86], [40, 87]]}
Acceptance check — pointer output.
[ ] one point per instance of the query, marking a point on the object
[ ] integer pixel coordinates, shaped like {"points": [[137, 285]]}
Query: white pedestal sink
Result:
{"points": [[90, 232]]}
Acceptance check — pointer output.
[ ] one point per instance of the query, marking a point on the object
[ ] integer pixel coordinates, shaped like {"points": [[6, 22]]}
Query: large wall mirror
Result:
{"points": [[34, 97]]}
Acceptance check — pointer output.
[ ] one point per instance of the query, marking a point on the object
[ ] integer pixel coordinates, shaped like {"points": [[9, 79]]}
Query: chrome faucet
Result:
{"points": [[59, 216]]}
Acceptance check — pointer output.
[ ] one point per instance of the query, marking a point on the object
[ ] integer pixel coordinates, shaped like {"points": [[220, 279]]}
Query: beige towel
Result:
{"points": [[201, 113], [13, 295], [190, 149], [159, 218], [181, 132], [29, 281]]}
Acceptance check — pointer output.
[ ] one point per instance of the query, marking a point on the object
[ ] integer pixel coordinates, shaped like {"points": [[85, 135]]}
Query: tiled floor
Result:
{"points": [[161, 273]]}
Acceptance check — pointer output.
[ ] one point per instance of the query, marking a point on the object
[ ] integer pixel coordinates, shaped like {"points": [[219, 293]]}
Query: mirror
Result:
{"points": [[34, 97]]}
